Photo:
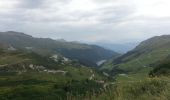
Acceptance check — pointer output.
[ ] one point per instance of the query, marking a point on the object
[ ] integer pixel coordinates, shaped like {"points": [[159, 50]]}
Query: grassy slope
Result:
{"points": [[42, 85], [151, 86], [142, 57], [142, 87], [140, 65]]}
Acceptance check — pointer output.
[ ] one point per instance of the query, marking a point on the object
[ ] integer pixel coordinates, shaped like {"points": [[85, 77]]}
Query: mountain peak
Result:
{"points": [[13, 33]]}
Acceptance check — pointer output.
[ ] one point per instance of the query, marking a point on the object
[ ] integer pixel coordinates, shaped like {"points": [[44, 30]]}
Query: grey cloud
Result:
{"points": [[31, 4], [104, 1], [116, 14], [39, 18]]}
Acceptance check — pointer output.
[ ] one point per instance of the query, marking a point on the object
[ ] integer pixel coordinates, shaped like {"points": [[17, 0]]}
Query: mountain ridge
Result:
{"points": [[143, 56], [86, 54]]}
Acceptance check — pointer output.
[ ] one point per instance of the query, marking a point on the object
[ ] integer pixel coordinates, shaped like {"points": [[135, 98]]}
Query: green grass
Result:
{"points": [[34, 85], [75, 84], [146, 89]]}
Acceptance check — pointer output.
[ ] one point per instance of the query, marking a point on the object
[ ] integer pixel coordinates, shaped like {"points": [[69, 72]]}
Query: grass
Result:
{"points": [[135, 64], [147, 89], [76, 85], [38, 86]]}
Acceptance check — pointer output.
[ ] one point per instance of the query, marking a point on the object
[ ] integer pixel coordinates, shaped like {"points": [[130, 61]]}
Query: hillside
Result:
{"points": [[161, 68], [145, 83], [142, 57], [27, 75], [153, 85], [88, 55]]}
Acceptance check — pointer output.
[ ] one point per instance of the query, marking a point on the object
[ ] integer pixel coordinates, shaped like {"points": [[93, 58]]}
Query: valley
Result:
{"points": [[40, 73], [84, 50]]}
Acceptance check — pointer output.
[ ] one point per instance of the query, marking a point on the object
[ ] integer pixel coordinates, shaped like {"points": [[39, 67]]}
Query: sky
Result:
{"points": [[114, 21]]}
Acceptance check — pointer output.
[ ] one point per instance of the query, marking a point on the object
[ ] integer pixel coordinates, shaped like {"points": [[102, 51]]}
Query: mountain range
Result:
{"points": [[45, 69], [118, 47], [86, 54]]}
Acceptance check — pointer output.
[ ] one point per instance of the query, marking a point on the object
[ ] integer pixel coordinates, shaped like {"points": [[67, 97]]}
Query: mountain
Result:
{"points": [[120, 48], [26, 74], [86, 54], [143, 57]]}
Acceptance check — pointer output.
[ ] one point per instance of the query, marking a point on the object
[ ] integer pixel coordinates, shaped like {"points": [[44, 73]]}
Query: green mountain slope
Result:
{"points": [[152, 84], [142, 57], [161, 68], [27, 75], [155, 85], [86, 54]]}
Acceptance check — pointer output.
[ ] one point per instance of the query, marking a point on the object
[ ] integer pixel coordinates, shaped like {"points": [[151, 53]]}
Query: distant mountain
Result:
{"points": [[142, 57], [120, 48], [86, 54]]}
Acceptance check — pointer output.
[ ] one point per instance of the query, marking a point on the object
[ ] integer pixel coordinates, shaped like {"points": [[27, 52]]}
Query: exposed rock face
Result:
{"points": [[11, 48], [56, 71], [21, 67], [18, 68], [29, 48], [58, 58]]}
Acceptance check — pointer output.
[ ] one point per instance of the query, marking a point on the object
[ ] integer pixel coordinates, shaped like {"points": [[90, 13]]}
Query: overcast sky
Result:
{"points": [[87, 20]]}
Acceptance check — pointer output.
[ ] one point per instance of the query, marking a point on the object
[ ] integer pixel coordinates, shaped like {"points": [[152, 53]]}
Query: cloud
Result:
{"points": [[87, 20]]}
